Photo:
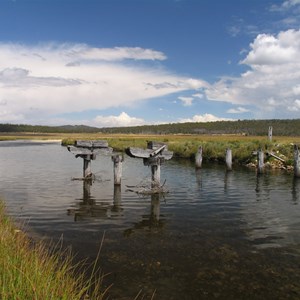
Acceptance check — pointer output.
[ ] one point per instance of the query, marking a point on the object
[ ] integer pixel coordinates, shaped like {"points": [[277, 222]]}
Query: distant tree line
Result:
{"points": [[246, 127]]}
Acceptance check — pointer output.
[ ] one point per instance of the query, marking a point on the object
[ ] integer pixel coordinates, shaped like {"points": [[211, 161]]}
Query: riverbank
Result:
{"points": [[30, 270], [184, 145], [214, 147]]}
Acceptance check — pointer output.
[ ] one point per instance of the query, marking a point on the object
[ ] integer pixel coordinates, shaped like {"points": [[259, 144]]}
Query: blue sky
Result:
{"points": [[133, 62]]}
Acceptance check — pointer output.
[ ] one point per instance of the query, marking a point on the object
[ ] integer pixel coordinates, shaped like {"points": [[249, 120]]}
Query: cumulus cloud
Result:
{"points": [[46, 80], [272, 81], [187, 101], [204, 118], [121, 120]]}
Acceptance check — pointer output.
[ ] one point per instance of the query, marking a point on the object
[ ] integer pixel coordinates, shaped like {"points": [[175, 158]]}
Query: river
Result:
{"points": [[214, 235]]}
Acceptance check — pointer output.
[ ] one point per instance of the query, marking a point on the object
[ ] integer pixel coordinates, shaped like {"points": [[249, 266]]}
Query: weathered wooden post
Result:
{"points": [[198, 158], [260, 161], [155, 208], [88, 151], [154, 156], [270, 133], [117, 159], [87, 172], [296, 161], [229, 159]]}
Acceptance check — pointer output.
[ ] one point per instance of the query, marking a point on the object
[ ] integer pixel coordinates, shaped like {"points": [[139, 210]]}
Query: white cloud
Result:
{"points": [[117, 121], [286, 5], [204, 118], [237, 110], [272, 81], [187, 101], [43, 81]]}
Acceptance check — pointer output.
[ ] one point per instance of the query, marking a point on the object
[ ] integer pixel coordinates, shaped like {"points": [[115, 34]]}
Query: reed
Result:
{"points": [[31, 271]]}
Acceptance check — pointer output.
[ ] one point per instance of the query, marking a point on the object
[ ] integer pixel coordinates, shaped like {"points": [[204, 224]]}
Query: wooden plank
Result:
{"points": [[146, 153], [91, 144], [155, 145], [79, 151], [158, 151], [275, 156]]}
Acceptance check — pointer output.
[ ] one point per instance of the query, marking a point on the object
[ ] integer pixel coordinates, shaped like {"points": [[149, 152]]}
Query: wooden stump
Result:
{"points": [[87, 172], [270, 132], [117, 159], [260, 161], [229, 159], [198, 158], [296, 161]]}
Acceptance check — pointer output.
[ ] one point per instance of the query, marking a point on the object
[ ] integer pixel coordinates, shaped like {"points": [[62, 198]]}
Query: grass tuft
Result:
{"points": [[32, 271]]}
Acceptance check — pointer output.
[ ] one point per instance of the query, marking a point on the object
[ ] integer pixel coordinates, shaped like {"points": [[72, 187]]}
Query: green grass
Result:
{"points": [[214, 147], [31, 271]]}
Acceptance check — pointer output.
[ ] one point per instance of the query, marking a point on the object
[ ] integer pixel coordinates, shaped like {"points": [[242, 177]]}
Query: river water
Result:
{"points": [[215, 235]]}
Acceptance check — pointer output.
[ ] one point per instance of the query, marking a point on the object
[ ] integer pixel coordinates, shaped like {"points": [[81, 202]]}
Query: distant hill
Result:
{"points": [[246, 127]]}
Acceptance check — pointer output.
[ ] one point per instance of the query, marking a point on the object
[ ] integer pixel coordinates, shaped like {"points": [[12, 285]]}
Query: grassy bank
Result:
{"points": [[183, 146], [31, 271], [214, 146]]}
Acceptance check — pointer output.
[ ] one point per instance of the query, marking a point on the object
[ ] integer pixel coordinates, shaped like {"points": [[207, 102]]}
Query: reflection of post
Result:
{"points": [[87, 166], [260, 161], [296, 190], [198, 158], [227, 180], [199, 177], [228, 159], [117, 159], [258, 187], [296, 161], [155, 208], [155, 171]]}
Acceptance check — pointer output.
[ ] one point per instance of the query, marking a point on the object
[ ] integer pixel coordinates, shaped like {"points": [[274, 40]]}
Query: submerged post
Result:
{"points": [[87, 172], [154, 156], [296, 161], [270, 133], [88, 150], [229, 159], [260, 161], [117, 159], [198, 158], [155, 172]]}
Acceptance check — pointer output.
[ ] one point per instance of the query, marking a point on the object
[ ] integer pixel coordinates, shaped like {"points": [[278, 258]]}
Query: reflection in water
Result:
{"points": [[88, 207], [296, 190]]}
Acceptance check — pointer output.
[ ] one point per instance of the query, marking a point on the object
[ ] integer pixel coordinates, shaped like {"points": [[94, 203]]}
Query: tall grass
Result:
{"points": [[30, 271], [214, 147]]}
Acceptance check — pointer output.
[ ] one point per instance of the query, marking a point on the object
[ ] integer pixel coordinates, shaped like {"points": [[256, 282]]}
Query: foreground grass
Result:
{"points": [[30, 271]]}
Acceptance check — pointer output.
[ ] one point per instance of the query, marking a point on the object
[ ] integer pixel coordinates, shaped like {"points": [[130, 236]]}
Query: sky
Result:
{"points": [[108, 63]]}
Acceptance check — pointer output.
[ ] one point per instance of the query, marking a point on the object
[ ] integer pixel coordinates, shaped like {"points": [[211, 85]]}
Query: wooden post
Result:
{"points": [[270, 133], [296, 161], [87, 166], [117, 159], [155, 171], [260, 161], [198, 158], [155, 208], [229, 159]]}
